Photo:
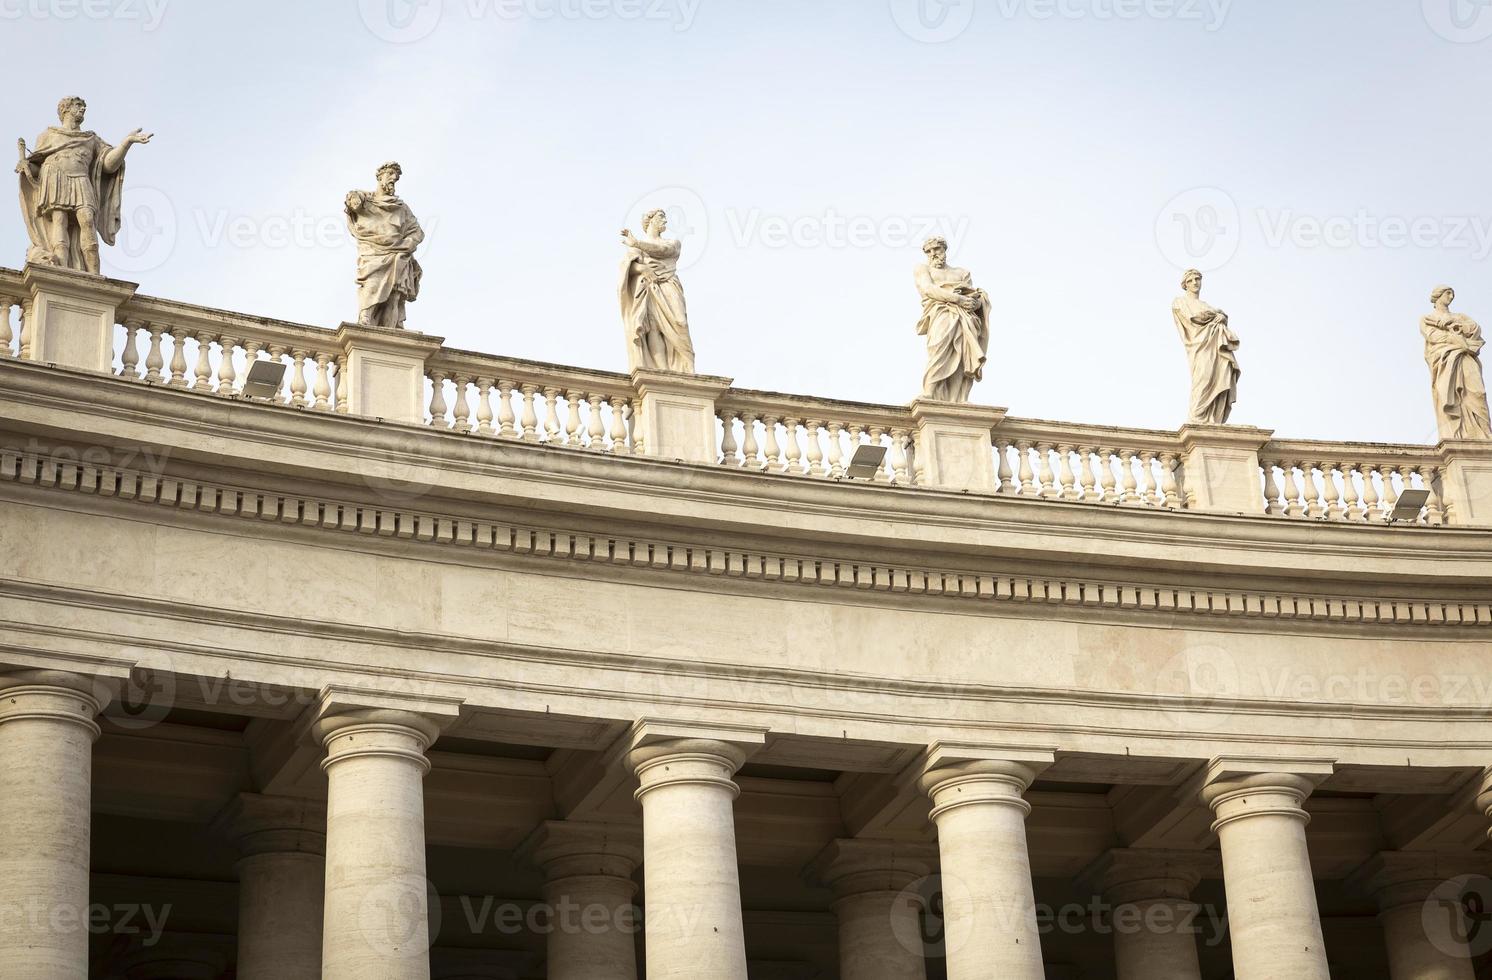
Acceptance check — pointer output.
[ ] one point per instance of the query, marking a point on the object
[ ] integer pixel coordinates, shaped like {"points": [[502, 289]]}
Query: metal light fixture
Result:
{"points": [[866, 462], [264, 379], [1411, 503]]}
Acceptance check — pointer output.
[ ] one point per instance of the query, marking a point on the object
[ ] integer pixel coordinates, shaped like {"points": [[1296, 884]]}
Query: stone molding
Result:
{"points": [[403, 523]]}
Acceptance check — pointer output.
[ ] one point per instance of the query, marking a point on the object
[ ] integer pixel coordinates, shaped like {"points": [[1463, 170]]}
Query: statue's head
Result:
{"points": [[72, 107], [388, 176], [655, 222], [936, 249], [1443, 291], [1192, 281]]}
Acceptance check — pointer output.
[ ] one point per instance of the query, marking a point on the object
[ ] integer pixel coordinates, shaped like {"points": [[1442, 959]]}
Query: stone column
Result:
{"points": [[1424, 925], [376, 920], [1273, 921], [589, 892], [1153, 918], [281, 878], [880, 936], [47, 730], [693, 887], [989, 905]]}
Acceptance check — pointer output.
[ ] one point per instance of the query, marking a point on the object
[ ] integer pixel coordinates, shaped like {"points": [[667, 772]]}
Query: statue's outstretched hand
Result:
{"points": [[138, 136], [24, 164]]}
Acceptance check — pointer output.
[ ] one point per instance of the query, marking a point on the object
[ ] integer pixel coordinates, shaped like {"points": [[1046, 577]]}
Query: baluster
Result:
{"points": [[462, 408], [1150, 491], [24, 352], [529, 419], [251, 349], [226, 374], [178, 358], [505, 420], [129, 356], [812, 434], [551, 416], [1289, 492], [1272, 504], [619, 425], [202, 374], [1130, 494], [1029, 486], [6, 337], [1109, 489], [282, 394], [344, 390], [900, 441], [769, 444], [836, 453], [1354, 509], [298, 379], [1370, 498], [792, 451], [1435, 515], [1170, 492], [484, 406], [154, 359], [1085, 473], [727, 437], [1331, 495], [1315, 501], [573, 427], [1390, 491], [883, 474], [438, 401], [1048, 488], [323, 389], [1065, 475], [750, 451], [1003, 475], [594, 429]]}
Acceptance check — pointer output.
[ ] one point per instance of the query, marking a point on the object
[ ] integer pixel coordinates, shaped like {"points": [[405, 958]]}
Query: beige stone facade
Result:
{"points": [[495, 688]]}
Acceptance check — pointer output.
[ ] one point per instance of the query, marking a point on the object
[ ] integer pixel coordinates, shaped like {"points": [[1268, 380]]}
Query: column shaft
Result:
{"points": [[591, 937], [46, 771], [693, 888], [1411, 953], [1149, 943], [877, 901]]}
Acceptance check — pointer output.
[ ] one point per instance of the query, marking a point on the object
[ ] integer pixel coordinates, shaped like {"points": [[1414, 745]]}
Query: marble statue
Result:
{"points": [[72, 184], [1453, 342], [1211, 347], [955, 321], [387, 233], [653, 311]]}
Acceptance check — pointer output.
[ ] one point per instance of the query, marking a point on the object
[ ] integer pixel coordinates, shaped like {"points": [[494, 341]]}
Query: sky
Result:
{"points": [[1324, 162]]}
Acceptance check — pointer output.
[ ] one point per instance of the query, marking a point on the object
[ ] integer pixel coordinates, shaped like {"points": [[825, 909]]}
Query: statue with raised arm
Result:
{"points": [[1453, 343], [654, 316], [71, 188], [1211, 347], [387, 233], [955, 321]]}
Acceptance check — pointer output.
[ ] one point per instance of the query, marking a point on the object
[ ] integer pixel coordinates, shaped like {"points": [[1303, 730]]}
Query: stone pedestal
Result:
{"points": [[989, 904], [1273, 921], [1220, 468], [676, 415], [880, 935], [376, 921], [70, 317], [693, 886], [1424, 922], [955, 447], [1466, 483], [589, 891], [281, 878], [385, 371], [47, 730], [1153, 917]]}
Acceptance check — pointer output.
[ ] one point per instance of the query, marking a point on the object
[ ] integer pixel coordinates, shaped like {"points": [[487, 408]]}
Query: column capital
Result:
{"points": [[958, 773], [1484, 797], [273, 824], [1399, 878], [854, 867], [340, 708], [51, 695], [1126, 875], [575, 849], [651, 740]]}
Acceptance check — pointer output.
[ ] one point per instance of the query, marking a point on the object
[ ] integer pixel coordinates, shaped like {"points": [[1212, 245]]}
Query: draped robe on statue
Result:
{"points": [[388, 276], [71, 177], [1210, 347], [652, 300], [957, 339], [1452, 343]]}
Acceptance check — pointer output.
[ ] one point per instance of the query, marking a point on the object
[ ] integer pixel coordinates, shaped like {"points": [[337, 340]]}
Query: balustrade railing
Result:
{"points": [[1088, 464], [774, 433], [1326, 481], [528, 401]]}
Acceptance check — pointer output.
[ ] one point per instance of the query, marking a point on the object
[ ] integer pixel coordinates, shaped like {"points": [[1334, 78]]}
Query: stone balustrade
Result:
{"points": [[410, 378]]}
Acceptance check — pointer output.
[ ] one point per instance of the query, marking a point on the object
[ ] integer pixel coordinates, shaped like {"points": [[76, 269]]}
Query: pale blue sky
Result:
{"points": [[1050, 139]]}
